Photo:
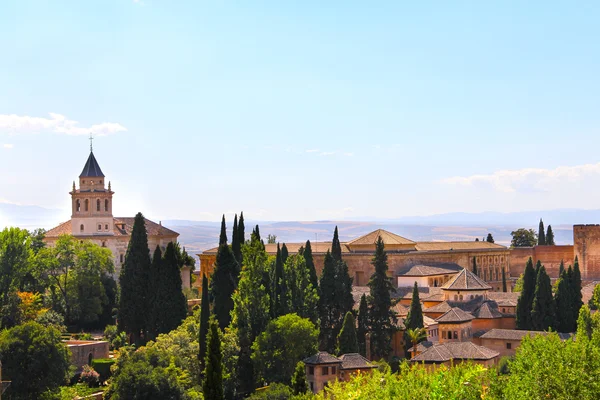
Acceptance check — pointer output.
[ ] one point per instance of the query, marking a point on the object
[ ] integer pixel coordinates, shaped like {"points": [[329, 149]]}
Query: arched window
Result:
{"points": [[103, 244], [460, 297], [87, 205], [435, 282], [455, 297], [98, 205], [81, 227], [106, 227], [106, 205], [99, 227], [78, 205]]}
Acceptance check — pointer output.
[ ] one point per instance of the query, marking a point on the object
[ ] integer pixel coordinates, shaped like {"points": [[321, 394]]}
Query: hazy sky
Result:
{"points": [[303, 110]]}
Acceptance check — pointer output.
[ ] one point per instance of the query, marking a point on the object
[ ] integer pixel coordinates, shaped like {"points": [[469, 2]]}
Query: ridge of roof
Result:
{"points": [[91, 168], [455, 314], [322, 357], [442, 352], [465, 280], [387, 237]]}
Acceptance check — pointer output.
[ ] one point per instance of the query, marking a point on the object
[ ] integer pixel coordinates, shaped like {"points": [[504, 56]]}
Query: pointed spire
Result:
{"points": [[73, 185], [223, 236], [109, 186]]}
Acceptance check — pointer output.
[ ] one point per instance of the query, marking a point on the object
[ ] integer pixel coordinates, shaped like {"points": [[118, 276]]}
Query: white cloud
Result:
{"points": [[327, 153], [527, 179], [313, 151], [7, 146], [349, 154], [57, 123]]}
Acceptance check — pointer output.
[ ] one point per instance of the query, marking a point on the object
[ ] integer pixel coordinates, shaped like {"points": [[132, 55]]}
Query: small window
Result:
{"points": [[99, 227], [455, 334], [83, 182], [508, 346], [81, 227], [100, 181], [98, 205], [311, 370], [87, 205], [333, 370], [106, 205], [103, 244], [106, 227], [504, 310], [325, 371], [121, 259], [443, 334], [460, 297], [78, 205]]}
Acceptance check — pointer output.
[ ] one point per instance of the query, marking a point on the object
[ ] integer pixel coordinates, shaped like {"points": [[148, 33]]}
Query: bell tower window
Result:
{"points": [[98, 205], [87, 205], [81, 228], [106, 205], [77, 205]]}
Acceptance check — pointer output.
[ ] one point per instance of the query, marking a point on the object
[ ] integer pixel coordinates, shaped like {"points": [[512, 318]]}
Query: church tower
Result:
{"points": [[92, 202]]}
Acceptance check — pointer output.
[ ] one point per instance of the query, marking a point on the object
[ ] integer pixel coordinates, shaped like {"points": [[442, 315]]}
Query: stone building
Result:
{"points": [[92, 218], [84, 351], [449, 353], [506, 341], [322, 368]]}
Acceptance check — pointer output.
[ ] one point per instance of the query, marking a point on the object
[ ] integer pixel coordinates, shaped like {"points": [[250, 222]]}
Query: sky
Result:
{"points": [[302, 110]]}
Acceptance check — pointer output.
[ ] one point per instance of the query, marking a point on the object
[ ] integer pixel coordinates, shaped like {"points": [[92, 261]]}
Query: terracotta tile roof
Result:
{"points": [[421, 347], [439, 308], [514, 334], [321, 357], [424, 292], [62, 229], [427, 322], [455, 314], [388, 238], [443, 352], [355, 361], [447, 246], [487, 311], [504, 299], [466, 280], [429, 270], [152, 228], [400, 310]]}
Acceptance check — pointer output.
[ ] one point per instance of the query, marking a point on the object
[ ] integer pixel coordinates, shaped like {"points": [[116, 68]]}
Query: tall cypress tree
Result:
{"points": [[336, 247], [576, 296], [543, 314], [490, 238], [347, 339], [550, 236], [541, 234], [174, 303], [212, 386], [525, 301], [561, 269], [236, 246], [280, 288], [474, 266], [284, 253], [504, 288], [223, 281], [155, 276], [327, 305], [223, 235], [241, 231], [310, 264], [382, 317], [133, 302], [414, 319], [204, 320], [564, 309], [363, 325], [343, 291]]}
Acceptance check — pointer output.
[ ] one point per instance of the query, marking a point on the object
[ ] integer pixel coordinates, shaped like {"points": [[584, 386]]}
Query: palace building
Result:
{"points": [[92, 217]]}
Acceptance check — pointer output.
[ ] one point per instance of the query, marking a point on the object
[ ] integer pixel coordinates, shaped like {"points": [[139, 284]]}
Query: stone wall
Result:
{"points": [[587, 249], [83, 351], [550, 256]]}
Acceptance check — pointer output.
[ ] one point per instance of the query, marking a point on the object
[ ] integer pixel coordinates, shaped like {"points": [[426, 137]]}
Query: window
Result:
{"points": [[99, 227], [106, 227], [312, 387], [81, 227], [87, 205], [103, 244], [98, 205], [455, 297], [100, 181], [455, 334], [443, 334], [78, 205], [460, 297], [121, 259], [508, 346], [106, 205], [83, 182], [325, 371], [503, 310], [333, 370], [311, 370]]}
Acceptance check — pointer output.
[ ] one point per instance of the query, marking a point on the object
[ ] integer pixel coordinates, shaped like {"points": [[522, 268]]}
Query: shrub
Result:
{"points": [[119, 341], [276, 391], [89, 376], [102, 366], [110, 332]]}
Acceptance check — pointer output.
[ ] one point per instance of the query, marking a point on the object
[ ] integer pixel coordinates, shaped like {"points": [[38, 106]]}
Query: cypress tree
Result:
{"points": [[550, 236], [541, 234], [382, 317], [154, 294], [212, 386], [310, 265], [504, 289], [347, 339], [538, 265], [241, 231], [525, 301], [585, 325], [336, 247], [174, 304], [204, 321], [236, 246], [223, 281], [414, 319], [564, 303], [280, 288], [133, 280], [299, 384], [327, 305], [343, 291], [256, 233], [576, 296], [561, 269], [284, 253], [363, 325], [474, 266], [490, 238], [543, 314], [223, 235]]}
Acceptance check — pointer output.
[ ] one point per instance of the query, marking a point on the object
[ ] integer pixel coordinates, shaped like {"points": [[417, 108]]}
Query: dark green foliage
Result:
{"points": [[543, 314], [561, 269], [564, 304], [223, 284], [347, 339], [414, 319], [594, 303], [474, 270], [34, 358], [541, 234], [382, 317], [223, 234], [102, 367], [287, 340], [284, 253], [310, 265], [336, 247], [256, 233], [280, 294], [343, 291], [15, 250], [504, 288], [490, 238], [133, 304], [576, 287], [538, 265], [525, 301], [302, 298], [155, 294], [236, 245], [241, 231], [363, 325], [299, 384], [523, 238], [204, 320], [212, 387], [550, 237], [175, 304], [275, 391]]}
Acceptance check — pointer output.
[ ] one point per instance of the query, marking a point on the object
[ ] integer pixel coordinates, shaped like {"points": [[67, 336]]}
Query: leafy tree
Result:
{"points": [[280, 292], [303, 297], [287, 340], [523, 238], [382, 317], [299, 384], [15, 252], [271, 239], [133, 304], [363, 325], [174, 304], [347, 340], [223, 281], [236, 245], [563, 299], [525, 301], [584, 324], [504, 288], [561, 268], [474, 266], [310, 265], [541, 234], [204, 321], [550, 237], [336, 247], [594, 303], [275, 391], [212, 386], [34, 358], [416, 336], [543, 314], [490, 238]]}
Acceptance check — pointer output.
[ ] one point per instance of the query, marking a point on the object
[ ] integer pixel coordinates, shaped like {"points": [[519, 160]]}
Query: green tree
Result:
{"points": [[155, 294], [310, 265], [299, 384], [523, 238], [564, 302], [504, 288], [594, 303], [474, 266], [550, 236], [543, 314], [223, 233], [280, 290], [303, 297], [204, 321], [287, 340], [414, 319], [525, 301], [347, 339], [490, 238], [561, 268], [329, 304], [223, 281], [271, 239], [133, 303], [236, 245], [336, 247], [284, 253], [241, 231], [576, 295], [416, 336], [382, 318], [34, 358], [363, 325], [585, 326], [212, 386], [541, 234], [174, 304]]}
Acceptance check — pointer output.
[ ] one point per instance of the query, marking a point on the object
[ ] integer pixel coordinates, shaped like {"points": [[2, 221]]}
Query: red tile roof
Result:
{"points": [[443, 352], [466, 280], [152, 228], [387, 237]]}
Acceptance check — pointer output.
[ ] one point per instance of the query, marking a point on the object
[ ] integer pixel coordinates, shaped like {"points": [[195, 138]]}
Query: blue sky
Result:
{"points": [[303, 110]]}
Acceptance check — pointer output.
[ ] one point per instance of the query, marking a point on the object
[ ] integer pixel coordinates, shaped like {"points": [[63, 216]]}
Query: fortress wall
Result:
{"points": [[550, 256], [587, 249]]}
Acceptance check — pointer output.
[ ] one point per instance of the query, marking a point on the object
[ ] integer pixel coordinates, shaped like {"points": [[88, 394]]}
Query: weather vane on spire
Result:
{"points": [[91, 138]]}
